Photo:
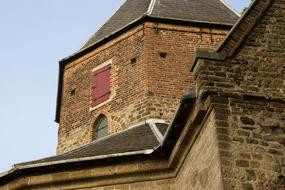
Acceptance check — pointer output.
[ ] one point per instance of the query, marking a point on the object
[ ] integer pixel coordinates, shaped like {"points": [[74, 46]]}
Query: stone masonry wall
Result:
{"points": [[202, 168], [247, 91], [149, 88], [148, 185]]}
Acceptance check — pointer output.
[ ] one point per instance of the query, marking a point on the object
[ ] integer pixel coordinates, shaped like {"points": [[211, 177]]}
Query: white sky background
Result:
{"points": [[34, 36]]}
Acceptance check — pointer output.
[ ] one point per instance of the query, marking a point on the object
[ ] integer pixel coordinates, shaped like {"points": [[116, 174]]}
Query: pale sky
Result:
{"points": [[34, 36]]}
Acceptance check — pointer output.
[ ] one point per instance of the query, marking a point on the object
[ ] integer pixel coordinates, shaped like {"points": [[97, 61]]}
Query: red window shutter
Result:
{"points": [[101, 85]]}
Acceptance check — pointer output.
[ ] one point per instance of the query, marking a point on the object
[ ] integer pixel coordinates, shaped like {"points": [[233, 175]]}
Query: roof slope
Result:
{"points": [[209, 11], [138, 138], [130, 11], [205, 11]]}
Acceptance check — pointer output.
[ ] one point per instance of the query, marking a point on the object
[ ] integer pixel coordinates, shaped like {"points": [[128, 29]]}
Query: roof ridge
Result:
{"points": [[137, 10], [156, 132], [151, 7]]}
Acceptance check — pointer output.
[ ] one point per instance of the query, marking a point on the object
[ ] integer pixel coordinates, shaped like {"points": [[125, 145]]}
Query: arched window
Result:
{"points": [[100, 128]]}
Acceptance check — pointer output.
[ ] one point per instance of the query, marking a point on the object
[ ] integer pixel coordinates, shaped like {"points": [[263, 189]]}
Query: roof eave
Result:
{"points": [[178, 121], [145, 17], [53, 164], [92, 158]]}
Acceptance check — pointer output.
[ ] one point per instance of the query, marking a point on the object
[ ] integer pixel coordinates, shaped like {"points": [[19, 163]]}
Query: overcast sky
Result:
{"points": [[34, 36]]}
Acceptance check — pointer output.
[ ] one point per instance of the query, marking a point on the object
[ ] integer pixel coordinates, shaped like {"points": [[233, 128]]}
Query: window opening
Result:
{"points": [[100, 127]]}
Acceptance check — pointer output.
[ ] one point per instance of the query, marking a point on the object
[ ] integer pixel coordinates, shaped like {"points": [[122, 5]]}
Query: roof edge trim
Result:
{"points": [[156, 132], [68, 58], [234, 28], [145, 152], [83, 44], [241, 21], [188, 96], [107, 38], [151, 6], [19, 167], [147, 121]]}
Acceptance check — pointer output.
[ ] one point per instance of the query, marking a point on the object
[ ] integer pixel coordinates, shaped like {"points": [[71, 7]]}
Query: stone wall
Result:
{"points": [[131, 175], [247, 92], [149, 185], [150, 87], [202, 168]]}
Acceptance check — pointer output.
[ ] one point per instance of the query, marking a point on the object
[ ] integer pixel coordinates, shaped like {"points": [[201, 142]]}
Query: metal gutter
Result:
{"points": [[53, 163], [145, 152], [188, 97], [151, 122]]}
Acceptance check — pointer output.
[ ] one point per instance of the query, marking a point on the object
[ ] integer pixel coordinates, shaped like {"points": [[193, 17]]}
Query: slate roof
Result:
{"points": [[130, 11], [204, 11], [192, 11], [137, 138]]}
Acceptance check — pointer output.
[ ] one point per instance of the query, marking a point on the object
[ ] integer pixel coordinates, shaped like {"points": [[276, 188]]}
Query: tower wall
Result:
{"points": [[149, 72], [169, 51]]}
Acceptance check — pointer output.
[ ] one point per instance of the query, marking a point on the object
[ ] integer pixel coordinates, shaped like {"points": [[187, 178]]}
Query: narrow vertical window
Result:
{"points": [[100, 128], [101, 85]]}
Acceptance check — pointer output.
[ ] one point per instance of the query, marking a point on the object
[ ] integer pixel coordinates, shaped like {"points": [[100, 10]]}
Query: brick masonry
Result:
{"points": [[149, 88]]}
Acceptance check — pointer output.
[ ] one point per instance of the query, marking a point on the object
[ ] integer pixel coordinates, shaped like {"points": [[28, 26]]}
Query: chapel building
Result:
{"points": [[135, 67], [170, 95]]}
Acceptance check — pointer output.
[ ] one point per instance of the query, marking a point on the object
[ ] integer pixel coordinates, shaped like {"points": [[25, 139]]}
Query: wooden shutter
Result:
{"points": [[101, 85]]}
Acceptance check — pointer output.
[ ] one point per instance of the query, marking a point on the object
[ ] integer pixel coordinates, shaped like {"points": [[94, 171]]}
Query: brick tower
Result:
{"points": [[135, 67]]}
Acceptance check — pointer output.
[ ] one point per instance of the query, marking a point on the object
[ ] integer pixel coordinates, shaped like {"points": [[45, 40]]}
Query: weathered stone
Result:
{"points": [[242, 163], [247, 120], [254, 164], [247, 186], [251, 141]]}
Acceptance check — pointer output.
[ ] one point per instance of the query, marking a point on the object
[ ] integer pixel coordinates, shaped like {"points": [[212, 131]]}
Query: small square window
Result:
{"points": [[133, 61], [73, 92], [162, 54]]}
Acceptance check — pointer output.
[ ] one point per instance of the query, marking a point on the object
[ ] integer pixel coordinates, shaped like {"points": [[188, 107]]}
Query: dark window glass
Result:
{"points": [[100, 127]]}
